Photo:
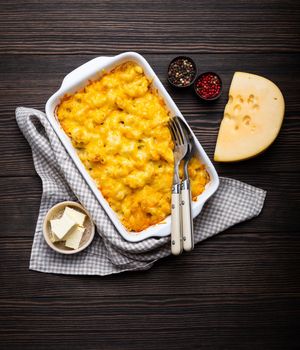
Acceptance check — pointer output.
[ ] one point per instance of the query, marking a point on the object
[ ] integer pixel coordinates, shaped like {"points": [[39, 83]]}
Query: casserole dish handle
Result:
{"points": [[195, 215], [85, 69]]}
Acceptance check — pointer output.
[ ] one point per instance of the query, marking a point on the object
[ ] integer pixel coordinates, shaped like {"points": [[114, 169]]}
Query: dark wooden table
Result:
{"points": [[239, 290]]}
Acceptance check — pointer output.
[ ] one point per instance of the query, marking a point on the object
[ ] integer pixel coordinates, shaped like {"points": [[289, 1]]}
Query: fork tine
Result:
{"points": [[186, 133], [174, 133], [178, 129], [184, 130]]}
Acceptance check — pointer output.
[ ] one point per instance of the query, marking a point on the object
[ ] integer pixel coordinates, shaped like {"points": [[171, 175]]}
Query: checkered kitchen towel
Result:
{"points": [[109, 253]]}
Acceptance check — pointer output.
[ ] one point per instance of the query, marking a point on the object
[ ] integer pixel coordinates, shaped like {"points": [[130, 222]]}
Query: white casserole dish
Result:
{"points": [[80, 77]]}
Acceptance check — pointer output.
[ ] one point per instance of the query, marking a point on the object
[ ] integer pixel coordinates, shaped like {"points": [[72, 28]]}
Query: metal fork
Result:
{"points": [[187, 217], [180, 150]]}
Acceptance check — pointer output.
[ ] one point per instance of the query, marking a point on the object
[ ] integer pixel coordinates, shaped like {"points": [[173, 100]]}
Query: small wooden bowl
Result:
{"points": [[55, 213], [192, 80], [202, 97]]}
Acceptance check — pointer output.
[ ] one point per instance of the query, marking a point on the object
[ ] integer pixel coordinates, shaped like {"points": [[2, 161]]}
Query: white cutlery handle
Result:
{"points": [[187, 217], [176, 233]]}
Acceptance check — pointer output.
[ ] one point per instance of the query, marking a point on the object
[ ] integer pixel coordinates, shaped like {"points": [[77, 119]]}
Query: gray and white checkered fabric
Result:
{"points": [[109, 253]]}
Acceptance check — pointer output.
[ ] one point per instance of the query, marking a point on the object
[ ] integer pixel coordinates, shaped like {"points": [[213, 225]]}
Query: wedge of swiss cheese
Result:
{"points": [[252, 118]]}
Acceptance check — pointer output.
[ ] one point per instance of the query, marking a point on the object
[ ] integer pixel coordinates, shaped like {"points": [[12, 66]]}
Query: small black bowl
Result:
{"points": [[171, 82], [203, 97]]}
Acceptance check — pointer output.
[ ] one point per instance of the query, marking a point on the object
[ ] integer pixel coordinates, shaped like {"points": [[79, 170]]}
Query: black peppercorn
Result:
{"points": [[181, 71]]}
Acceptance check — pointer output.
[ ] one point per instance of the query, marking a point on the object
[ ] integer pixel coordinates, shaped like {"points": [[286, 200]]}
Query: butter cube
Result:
{"points": [[74, 237], [75, 215], [53, 237], [60, 227]]}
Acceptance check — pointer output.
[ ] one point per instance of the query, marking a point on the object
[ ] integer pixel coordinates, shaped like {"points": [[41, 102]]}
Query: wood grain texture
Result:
{"points": [[282, 156], [279, 213], [30, 80], [161, 26], [42, 75], [258, 264], [131, 322], [238, 290]]}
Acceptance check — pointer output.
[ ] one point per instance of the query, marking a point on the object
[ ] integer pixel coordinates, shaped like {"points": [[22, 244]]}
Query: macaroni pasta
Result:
{"points": [[118, 125]]}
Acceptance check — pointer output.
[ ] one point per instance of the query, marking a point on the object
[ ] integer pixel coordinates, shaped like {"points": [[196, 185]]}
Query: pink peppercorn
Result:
{"points": [[208, 86]]}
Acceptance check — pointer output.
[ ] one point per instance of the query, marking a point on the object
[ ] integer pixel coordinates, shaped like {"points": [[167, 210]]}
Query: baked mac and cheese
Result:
{"points": [[118, 125]]}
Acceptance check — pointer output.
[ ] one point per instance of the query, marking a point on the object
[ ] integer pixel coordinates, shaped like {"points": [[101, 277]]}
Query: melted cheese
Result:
{"points": [[118, 125]]}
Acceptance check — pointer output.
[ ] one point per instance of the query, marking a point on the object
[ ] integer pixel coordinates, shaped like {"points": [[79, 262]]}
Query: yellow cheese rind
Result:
{"points": [[252, 118]]}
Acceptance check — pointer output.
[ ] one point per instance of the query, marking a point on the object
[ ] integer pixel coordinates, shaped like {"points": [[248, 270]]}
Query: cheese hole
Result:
{"points": [[246, 120], [228, 116], [250, 99], [230, 99], [256, 107], [236, 109], [240, 98]]}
